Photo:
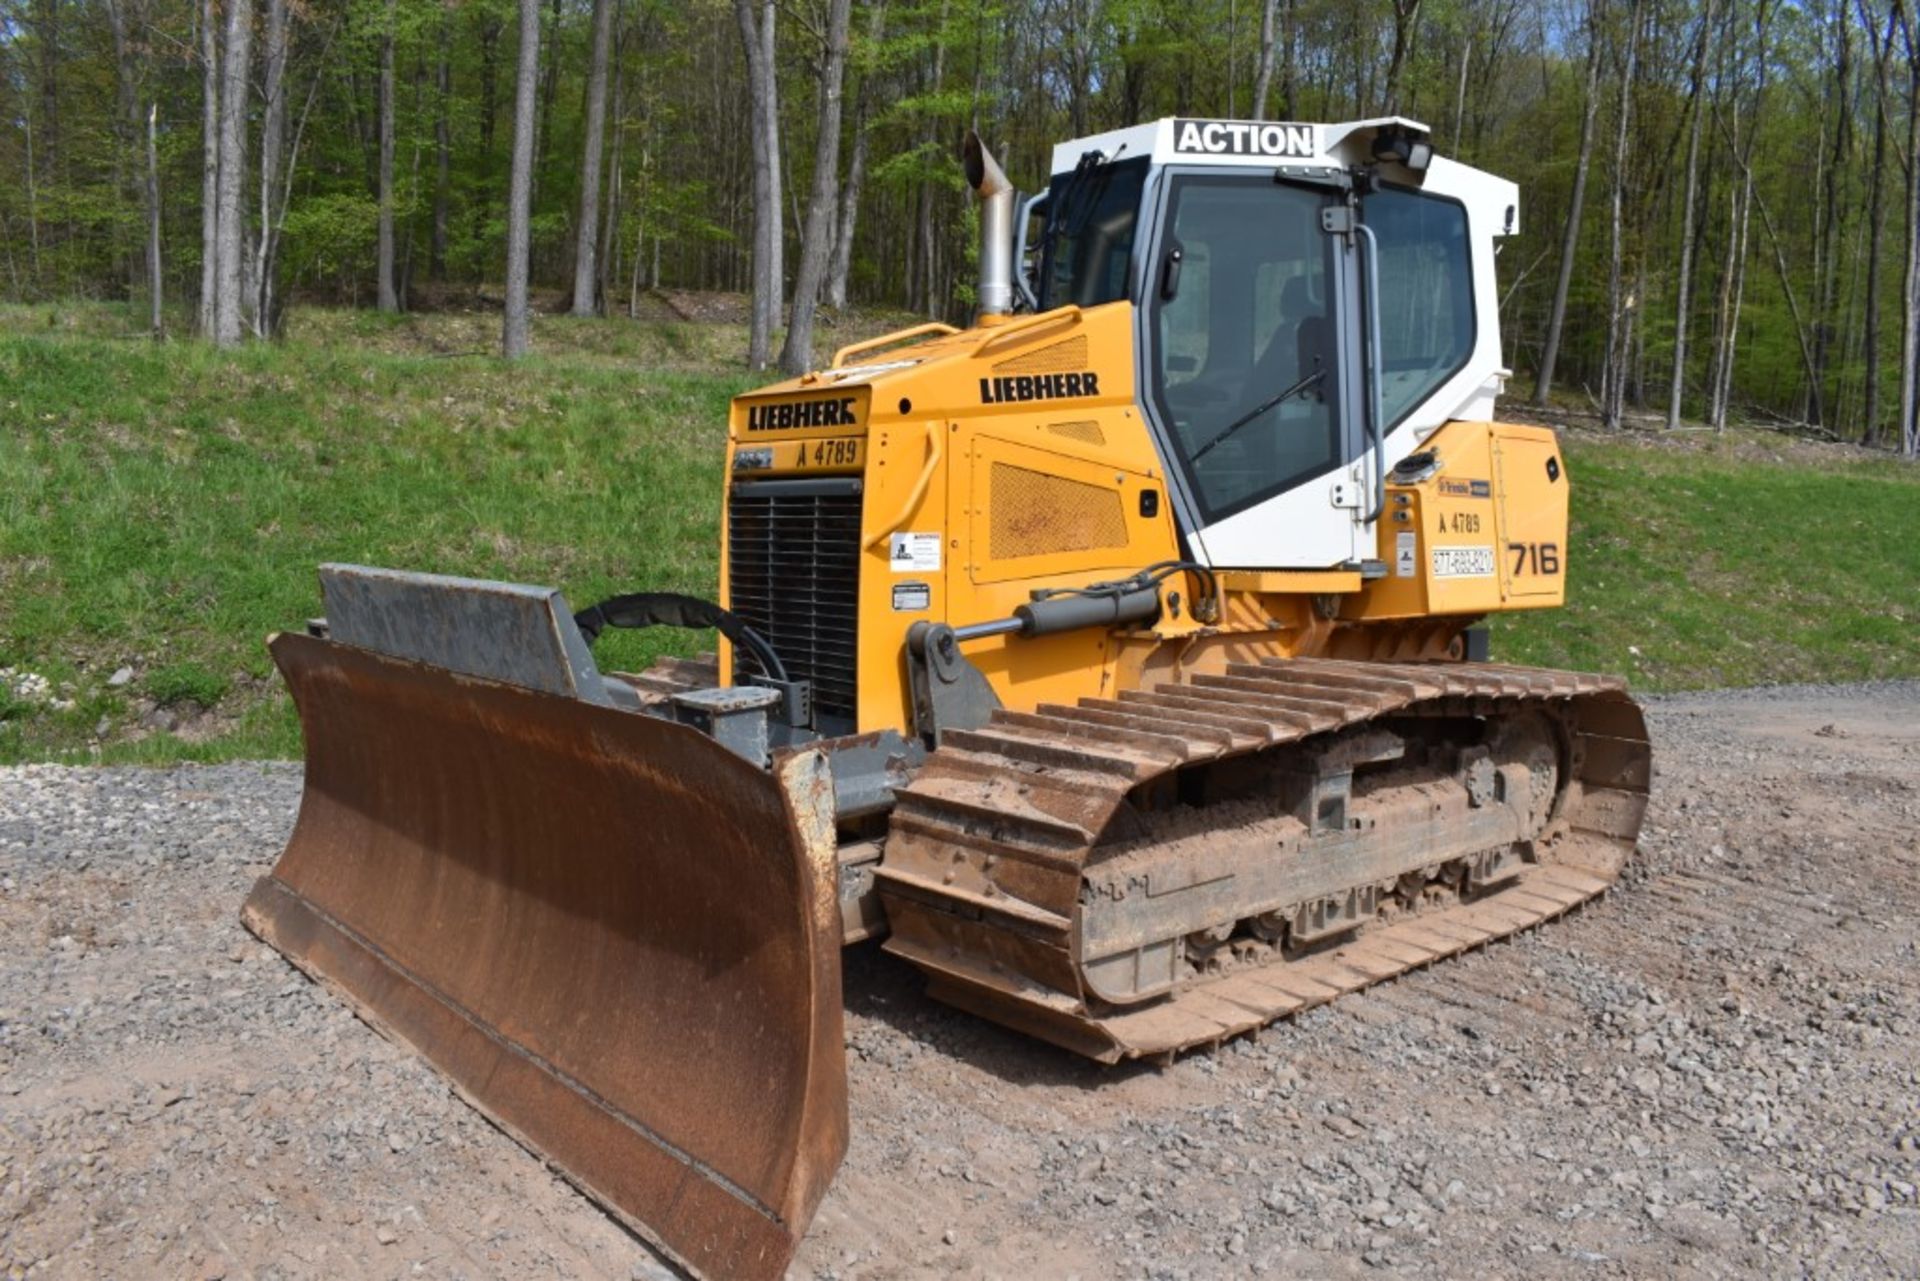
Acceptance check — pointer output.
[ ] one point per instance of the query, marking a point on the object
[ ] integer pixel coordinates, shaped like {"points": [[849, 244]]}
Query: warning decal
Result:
{"points": [[914, 553]]}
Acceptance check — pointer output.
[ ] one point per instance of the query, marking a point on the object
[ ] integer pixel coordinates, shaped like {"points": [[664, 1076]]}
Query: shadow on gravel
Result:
{"points": [[887, 990]]}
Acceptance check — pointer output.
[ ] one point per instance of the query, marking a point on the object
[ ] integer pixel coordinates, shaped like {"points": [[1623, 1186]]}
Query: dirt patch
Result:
{"points": [[1710, 1072]]}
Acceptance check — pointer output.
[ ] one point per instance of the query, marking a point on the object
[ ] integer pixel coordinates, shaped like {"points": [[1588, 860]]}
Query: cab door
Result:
{"points": [[1248, 334]]}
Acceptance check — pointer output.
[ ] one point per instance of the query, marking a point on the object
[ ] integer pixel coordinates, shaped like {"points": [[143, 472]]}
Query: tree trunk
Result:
{"points": [[763, 128], [236, 63], [127, 127], [389, 299], [1876, 231], [1722, 308], [840, 269], [1833, 226], [442, 148], [33, 201], [1677, 386], [1636, 380], [1263, 70], [209, 162], [640, 232], [404, 274], [1289, 44], [1613, 372], [46, 27], [1460, 92], [1809, 352], [586, 244], [841, 266], [796, 357], [926, 269], [1081, 24], [608, 249], [1406, 21], [1737, 270], [489, 87], [1910, 298], [513, 341], [549, 86], [273, 137], [1744, 158], [157, 319], [1570, 238]]}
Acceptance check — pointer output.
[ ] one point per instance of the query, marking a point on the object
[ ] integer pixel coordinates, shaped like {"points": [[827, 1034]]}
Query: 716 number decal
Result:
{"points": [[1535, 558]]}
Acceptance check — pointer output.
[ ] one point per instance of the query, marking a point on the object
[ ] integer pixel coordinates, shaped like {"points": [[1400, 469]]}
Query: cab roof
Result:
{"points": [[1249, 143]]}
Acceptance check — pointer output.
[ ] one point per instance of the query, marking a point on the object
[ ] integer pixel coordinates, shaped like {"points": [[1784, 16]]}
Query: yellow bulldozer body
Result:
{"points": [[1010, 457]]}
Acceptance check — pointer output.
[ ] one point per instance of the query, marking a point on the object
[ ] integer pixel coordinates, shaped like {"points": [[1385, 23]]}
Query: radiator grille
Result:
{"points": [[793, 572]]}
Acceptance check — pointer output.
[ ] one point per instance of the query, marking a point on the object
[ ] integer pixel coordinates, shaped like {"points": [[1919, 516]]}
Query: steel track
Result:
{"points": [[991, 843]]}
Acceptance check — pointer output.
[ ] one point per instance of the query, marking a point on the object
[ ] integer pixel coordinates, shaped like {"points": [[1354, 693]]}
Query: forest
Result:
{"points": [[1720, 198]]}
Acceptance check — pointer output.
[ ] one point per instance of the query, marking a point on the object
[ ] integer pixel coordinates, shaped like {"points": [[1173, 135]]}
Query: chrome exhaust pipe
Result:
{"points": [[996, 225]]}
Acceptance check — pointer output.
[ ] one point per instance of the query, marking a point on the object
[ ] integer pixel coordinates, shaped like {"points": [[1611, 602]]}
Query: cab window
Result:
{"points": [[1249, 317], [1426, 295], [1087, 239]]}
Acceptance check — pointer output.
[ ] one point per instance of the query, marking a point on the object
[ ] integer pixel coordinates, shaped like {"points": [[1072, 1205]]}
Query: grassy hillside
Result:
{"points": [[1745, 559], [162, 509]]}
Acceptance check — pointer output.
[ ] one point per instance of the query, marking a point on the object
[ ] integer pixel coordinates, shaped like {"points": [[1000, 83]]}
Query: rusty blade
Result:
{"points": [[620, 940]]}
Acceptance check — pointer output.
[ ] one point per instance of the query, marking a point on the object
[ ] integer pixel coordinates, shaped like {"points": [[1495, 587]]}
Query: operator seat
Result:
{"points": [[1299, 339]]}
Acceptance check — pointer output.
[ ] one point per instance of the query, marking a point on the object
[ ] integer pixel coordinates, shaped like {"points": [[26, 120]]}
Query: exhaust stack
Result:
{"points": [[996, 225]]}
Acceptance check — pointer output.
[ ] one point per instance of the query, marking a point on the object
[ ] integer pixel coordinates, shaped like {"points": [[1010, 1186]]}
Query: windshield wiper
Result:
{"points": [[1310, 380]]}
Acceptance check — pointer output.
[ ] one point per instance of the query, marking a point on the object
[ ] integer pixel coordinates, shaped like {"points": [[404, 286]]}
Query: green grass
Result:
{"points": [[1732, 561], [162, 508], [187, 683]]}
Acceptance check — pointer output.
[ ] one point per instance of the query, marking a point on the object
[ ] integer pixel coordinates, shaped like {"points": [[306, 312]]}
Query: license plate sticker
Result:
{"points": [[1463, 562]]}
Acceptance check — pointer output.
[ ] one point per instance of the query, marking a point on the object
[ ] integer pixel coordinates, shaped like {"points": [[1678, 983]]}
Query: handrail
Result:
{"points": [[1069, 314], [884, 340], [919, 488], [1378, 499]]}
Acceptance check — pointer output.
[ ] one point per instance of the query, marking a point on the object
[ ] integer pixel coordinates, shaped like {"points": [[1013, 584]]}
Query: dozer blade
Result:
{"points": [[620, 940]]}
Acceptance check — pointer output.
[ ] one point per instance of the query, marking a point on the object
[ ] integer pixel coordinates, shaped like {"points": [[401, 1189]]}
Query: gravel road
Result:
{"points": [[1714, 1071]]}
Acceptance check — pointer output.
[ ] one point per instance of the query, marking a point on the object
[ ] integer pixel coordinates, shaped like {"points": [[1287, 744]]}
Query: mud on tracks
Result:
{"points": [[1713, 1071]]}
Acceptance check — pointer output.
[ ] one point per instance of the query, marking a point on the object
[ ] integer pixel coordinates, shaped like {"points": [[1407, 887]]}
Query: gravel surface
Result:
{"points": [[1714, 1071]]}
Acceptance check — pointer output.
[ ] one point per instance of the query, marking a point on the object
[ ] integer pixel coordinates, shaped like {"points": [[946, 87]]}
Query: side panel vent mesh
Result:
{"points": [[1059, 358], [1035, 514], [1087, 432]]}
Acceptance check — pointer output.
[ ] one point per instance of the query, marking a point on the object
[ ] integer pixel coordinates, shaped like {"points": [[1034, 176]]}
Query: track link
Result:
{"points": [[991, 845]]}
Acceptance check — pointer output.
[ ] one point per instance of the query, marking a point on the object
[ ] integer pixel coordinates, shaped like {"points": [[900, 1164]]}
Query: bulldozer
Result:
{"points": [[1119, 662]]}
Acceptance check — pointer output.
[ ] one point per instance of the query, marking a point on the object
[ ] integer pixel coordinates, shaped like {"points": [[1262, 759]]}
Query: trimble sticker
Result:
{"points": [[1451, 488], [914, 553], [1244, 138], [1463, 562]]}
